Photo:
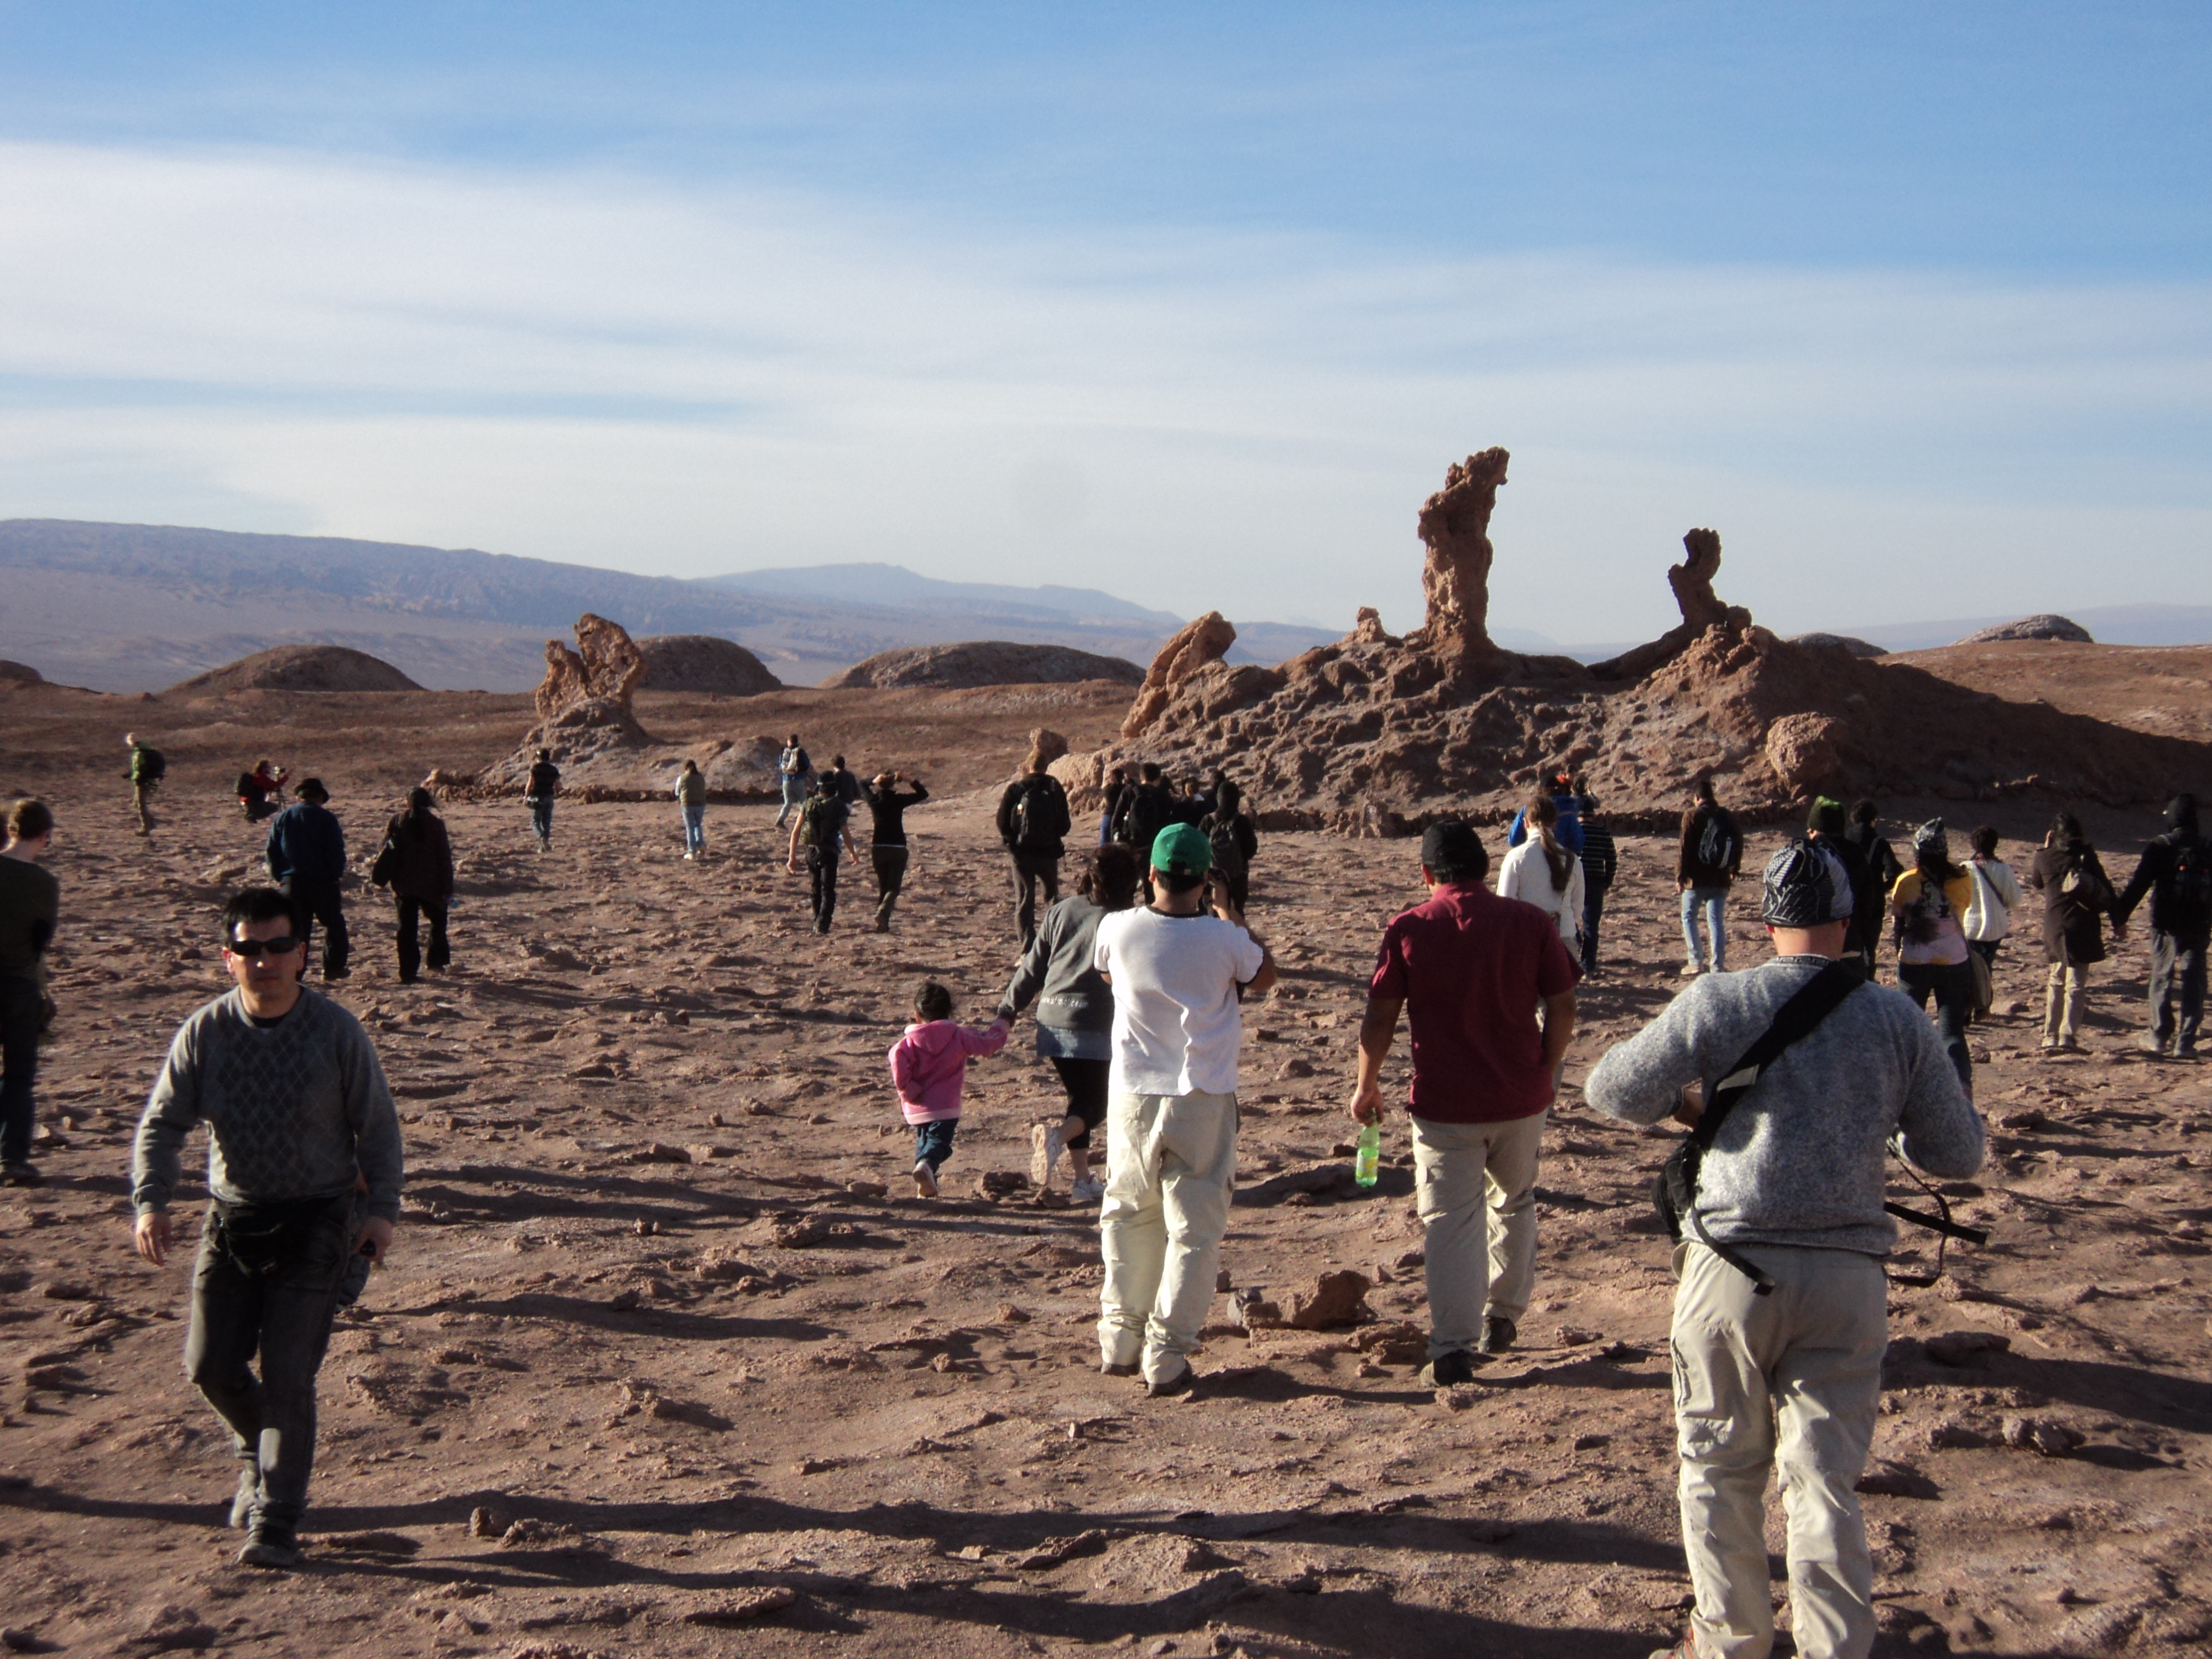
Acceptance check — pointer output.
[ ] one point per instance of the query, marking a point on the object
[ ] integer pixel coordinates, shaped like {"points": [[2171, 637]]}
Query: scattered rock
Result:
{"points": [[743, 1608], [1004, 1183], [2038, 1434], [1334, 1299], [1055, 1551], [1887, 1478], [1964, 1347]]}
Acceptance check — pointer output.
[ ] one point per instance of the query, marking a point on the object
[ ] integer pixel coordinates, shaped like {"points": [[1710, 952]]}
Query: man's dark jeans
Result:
{"points": [[1593, 913], [322, 904], [1032, 869], [891, 877], [411, 910], [2177, 963], [20, 1011], [1952, 985], [285, 1315], [822, 867]]}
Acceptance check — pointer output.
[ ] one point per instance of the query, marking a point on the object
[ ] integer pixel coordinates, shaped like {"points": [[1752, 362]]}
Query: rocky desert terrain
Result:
{"points": [[665, 1363]]}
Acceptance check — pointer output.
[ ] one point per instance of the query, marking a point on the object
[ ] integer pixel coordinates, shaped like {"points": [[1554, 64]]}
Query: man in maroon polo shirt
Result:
{"points": [[1490, 990]]}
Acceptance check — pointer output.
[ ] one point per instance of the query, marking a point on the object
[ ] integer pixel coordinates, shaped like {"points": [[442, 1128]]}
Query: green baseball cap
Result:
{"points": [[1182, 849]]}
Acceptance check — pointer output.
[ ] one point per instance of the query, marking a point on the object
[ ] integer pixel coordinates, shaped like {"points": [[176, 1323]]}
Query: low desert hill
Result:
{"points": [[704, 662], [298, 668], [987, 662], [2163, 691]]}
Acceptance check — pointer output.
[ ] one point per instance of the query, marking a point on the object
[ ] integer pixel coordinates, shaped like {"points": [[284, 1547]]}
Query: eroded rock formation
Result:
{"points": [[1196, 646], [606, 665], [1701, 608], [1455, 527]]}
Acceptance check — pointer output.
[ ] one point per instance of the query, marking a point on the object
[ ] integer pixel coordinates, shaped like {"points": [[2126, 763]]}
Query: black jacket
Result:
{"points": [[2167, 872], [421, 857], [888, 808], [1048, 815], [307, 847]]}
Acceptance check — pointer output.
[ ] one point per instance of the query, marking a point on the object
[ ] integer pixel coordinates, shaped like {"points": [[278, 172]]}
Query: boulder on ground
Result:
{"points": [[2044, 626], [704, 662], [1332, 1300], [984, 662], [298, 668]]}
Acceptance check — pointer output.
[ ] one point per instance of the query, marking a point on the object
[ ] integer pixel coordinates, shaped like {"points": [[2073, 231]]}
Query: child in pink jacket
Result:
{"points": [[929, 1065]]}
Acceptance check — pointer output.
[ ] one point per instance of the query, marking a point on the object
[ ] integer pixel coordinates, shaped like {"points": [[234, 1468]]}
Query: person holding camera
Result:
{"points": [[1780, 1301], [304, 1164], [1177, 976]]}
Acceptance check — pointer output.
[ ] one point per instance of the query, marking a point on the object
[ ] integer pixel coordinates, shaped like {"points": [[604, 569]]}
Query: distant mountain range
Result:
{"points": [[139, 607]]}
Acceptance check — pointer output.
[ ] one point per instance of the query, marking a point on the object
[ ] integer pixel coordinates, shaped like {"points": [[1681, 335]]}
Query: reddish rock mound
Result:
{"points": [[1371, 733], [2044, 626], [298, 668], [704, 662], [983, 662]]}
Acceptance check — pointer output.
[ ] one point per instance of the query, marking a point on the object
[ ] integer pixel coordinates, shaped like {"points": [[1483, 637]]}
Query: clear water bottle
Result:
{"points": [[1367, 1160]]}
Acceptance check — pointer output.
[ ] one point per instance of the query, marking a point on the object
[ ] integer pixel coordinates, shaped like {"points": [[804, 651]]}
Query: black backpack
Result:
{"points": [[153, 767], [2190, 879], [1147, 816], [1228, 849], [1040, 813], [1716, 843], [817, 826]]}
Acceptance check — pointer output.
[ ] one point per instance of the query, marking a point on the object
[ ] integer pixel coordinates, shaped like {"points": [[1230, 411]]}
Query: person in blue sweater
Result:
{"points": [[307, 857], [1568, 831]]}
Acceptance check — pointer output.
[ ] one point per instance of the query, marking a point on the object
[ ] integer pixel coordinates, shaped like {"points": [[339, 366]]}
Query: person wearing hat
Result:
{"points": [[538, 793], [307, 859], [1828, 829], [1930, 903], [1788, 1382], [888, 848], [1178, 974], [1489, 985]]}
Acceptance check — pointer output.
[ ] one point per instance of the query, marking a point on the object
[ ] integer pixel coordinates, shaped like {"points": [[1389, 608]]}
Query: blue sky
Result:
{"points": [[1192, 303]]}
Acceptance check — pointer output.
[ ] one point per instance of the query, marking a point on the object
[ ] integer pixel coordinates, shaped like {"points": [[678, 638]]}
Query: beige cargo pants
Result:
{"points": [[1475, 1190], [1790, 1382], [1171, 1167]]}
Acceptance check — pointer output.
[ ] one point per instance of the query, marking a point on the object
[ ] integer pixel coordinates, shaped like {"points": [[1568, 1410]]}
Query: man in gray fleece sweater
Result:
{"points": [[1794, 1183], [305, 1165]]}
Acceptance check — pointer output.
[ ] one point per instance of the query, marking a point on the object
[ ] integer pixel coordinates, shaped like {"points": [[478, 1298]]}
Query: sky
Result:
{"points": [[1194, 304]]}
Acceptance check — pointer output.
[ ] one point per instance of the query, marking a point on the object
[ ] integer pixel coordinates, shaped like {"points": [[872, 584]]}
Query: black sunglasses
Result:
{"points": [[250, 948]]}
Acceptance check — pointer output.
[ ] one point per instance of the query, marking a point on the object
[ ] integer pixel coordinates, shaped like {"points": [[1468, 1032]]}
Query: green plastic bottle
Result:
{"points": [[1367, 1161]]}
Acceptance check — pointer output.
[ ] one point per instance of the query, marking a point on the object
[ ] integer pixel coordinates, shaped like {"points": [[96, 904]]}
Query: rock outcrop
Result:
{"points": [[297, 668], [984, 662], [584, 714], [606, 666], [1856, 647], [2043, 627], [704, 662], [20, 673], [1196, 646], [1701, 608], [1455, 527]]}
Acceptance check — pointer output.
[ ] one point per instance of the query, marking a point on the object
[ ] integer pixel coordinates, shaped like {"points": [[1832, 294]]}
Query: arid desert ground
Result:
{"points": [[656, 1367]]}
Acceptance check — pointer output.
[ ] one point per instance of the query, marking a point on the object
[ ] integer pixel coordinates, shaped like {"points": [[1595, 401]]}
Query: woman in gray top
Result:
{"points": [[1075, 1013]]}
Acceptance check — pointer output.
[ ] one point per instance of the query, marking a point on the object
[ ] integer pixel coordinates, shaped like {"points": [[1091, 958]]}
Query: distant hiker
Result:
{"points": [[417, 862], [30, 910], [929, 1069], [1075, 1014], [1235, 840], [1567, 830], [2176, 871], [1882, 868], [1601, 865], [846, 786], [797, 773], [1996, 895], [1190, 805], [691, 801], [1792, 1186], [1712, 853], [1827, 830], [1171, 1112], [1033, 825], [1117, 785], [306, 859], [2077, 895], [304, 1167], [256, 788], [1544, 872], [148, 768], [1930, 903], [1146, 808], [888, 849], [1489, 986], [538, 795], [822, 824]]}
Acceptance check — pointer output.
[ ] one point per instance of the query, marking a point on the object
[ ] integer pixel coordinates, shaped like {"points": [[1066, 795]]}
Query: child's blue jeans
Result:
{"points": [[933, 1142]]}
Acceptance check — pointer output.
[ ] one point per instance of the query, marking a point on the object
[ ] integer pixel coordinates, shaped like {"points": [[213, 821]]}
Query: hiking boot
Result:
{"points": [[330, 974], [21, 1172], [249, 1494], [1447, 1370], [1045, 1148], [1498, 1335], [925, 1181], [272, 1544], [883, 924], [1169, 1387], [2185, 1051], [1109, 1369]]}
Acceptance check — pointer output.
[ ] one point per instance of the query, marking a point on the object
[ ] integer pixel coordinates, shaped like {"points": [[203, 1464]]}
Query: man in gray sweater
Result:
{"points": [[1794, 1183], [304, 1162]]}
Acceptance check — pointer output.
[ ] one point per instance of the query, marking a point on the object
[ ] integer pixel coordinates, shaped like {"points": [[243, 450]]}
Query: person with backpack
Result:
{"points": [[1929, 904], [1234, 839], [691, 802], [2077, 895], [1033, 825], [821, 824], [888, 846], [1879, 861], [307, 859], [416, 863], [846, 786], [148, 768], [1826, 829], [1543, 871], [1711, 854], [2176, 871], [1146, 808], [1996, 895], [1780, 1318], [1600, 863], [1566, 828], [538, 795], [1117, 785], [797, 773]]}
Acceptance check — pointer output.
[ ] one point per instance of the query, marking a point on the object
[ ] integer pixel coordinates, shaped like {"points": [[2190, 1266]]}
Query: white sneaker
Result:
{"points": [[1045, 1148], [1089, 1190], [1689, 970]]}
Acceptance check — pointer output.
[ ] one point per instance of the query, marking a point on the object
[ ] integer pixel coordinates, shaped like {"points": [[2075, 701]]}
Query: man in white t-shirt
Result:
{"points": [[1177, 973]]}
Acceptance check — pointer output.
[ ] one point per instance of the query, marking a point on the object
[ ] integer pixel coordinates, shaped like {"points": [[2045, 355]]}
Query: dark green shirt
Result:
{"points": [[30, 909]]}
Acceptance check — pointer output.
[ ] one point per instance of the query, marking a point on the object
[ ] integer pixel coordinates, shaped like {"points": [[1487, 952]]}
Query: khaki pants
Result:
{"points": [[1789, 1381], [2062, 1002], [1171, 1167], [1476, 1187], [141, 802]]}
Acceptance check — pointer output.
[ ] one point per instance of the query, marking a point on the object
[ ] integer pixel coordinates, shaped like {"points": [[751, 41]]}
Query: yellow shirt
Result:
{"points": [[1948, 944]]}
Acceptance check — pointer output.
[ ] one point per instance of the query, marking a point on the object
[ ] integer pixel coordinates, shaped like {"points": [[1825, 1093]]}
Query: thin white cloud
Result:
{"points": [[693, 378]]}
